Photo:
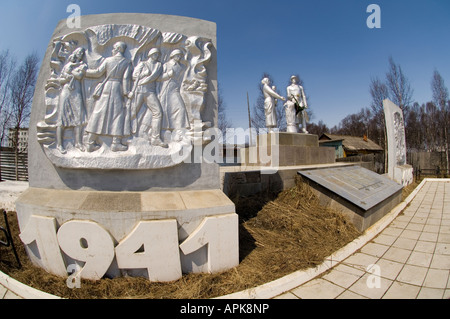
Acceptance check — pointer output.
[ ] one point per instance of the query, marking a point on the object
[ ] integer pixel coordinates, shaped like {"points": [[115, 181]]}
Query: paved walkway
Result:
{"points": [[409, 259]]}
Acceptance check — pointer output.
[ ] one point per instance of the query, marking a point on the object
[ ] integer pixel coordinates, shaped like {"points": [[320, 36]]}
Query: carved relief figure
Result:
{"points": [[295, 107], [195, 83], [144, 91], [269, 104], [399, 130], [175, 115], [109, 116], [71, 106]]}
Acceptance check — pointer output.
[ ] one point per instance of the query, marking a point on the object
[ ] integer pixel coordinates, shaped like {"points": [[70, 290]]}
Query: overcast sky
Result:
{"points": [[326, 42]]}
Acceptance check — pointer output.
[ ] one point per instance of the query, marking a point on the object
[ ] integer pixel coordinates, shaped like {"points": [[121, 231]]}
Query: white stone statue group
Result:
{"points": [[295, 106]]}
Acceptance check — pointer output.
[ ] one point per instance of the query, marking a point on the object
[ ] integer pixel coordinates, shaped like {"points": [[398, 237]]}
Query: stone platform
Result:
{"points": [[286, 149]]}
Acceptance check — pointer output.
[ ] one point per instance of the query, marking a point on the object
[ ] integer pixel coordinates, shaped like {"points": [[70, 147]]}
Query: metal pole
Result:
{"points": [[249, 121]]}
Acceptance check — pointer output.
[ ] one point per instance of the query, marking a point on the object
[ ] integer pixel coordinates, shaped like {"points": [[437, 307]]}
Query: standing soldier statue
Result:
{"points": [[295, 107]]}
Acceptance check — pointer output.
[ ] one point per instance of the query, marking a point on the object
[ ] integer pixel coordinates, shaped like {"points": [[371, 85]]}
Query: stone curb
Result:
{"points": [[268, 290], [22, 290]]}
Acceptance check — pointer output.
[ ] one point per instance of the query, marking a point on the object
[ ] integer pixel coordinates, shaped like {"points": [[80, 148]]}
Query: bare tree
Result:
{"points": [[7, 66], [22, 90], [440, 99], [415, 135], [223, 121], [379, 92], [400, 91], [354, 124]]}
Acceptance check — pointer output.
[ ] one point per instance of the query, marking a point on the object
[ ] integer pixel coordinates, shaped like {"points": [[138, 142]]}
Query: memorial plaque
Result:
{"points": [[357, 185]]}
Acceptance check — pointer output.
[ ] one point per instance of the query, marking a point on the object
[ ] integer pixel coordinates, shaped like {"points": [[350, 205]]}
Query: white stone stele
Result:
{"points": [[132, 204], [398, 170], [143, 166], [159, 236]]}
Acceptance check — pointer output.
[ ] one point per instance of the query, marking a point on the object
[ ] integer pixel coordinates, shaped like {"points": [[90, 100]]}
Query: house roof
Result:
{"points": [[352, 143]]}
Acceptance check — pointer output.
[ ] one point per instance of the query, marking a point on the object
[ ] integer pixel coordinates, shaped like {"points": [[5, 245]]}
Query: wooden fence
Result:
{"points": [[8, 167]]}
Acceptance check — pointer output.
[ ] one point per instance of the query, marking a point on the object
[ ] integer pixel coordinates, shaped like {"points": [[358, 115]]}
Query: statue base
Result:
{"points": [[403, 174], [159, 235], [286, 149]]}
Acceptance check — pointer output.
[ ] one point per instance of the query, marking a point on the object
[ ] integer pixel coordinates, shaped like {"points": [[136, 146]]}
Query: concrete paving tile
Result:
{"points": [[405, 243], [410, 234], [431, 228], [430, 293], [389, 269], [10, 295], [397, 254], [392, 231], [436, 278], [362, 286], [445, 222], [413, 275], [428, 237], [444, 238], [286, 295], [433, 221], [403, 218], [385, 239], [3, 291], [318, 289], [398, 224], [361, 260], [445, 230], [374, 249], [399, 290], [442, 249], [414, 226], [420, 215], [420, 259], [419, 220], [425, 246], [344, 276], [350, 295], [440, 262], [410, 211]]}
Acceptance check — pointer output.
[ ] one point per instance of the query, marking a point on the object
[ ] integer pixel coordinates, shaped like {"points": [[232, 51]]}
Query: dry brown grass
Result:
{"points": [[277, 237]]}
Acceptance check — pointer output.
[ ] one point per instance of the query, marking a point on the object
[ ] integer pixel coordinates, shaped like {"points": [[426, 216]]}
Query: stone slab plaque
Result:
{"points": [[357, 185], [398, 169]]}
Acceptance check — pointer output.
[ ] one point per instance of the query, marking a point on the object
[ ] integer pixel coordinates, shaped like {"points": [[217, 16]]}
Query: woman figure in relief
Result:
{"points": [[72, 112], [175, 115]]}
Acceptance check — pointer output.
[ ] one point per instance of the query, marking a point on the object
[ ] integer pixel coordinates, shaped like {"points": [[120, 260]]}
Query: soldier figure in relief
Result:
{"points": [[109, 115], [145, 76]]}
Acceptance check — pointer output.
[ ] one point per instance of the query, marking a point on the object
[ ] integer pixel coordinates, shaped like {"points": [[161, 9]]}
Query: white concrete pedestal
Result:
{"points": [[155, 234]]}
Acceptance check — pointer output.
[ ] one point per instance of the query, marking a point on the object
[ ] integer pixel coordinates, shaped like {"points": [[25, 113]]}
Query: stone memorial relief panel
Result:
{"points": [[399, 136], [125, 97]]}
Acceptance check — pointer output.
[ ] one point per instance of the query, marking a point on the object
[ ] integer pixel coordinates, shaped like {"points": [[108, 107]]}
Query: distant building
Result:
{"points": [[346, 146], [23, 138]]}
